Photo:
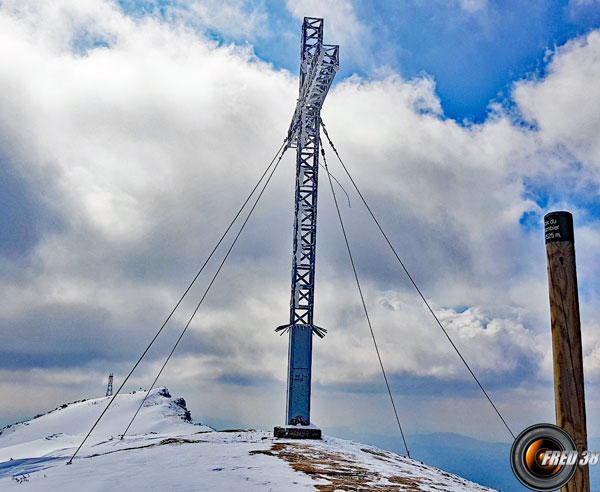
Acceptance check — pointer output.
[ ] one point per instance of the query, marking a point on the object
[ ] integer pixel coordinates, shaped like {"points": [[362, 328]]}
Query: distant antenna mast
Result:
{"points": [[109, 387]]}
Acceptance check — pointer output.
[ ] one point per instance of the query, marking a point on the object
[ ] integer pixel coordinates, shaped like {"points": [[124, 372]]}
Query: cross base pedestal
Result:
{"points": [[296, 432]]}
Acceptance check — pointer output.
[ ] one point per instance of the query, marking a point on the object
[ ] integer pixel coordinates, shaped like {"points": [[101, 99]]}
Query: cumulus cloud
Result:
{"points": [[236, 19], [103, 140], [342, 22], [342, 26], [139, 138], [413, 344], [561, 105]]}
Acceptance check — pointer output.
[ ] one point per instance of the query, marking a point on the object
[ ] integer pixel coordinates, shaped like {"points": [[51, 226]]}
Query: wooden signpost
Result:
{"points": [[566, 337]]}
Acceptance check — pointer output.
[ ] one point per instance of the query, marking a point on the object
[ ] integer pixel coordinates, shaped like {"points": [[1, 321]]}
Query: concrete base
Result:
{"points": [[297, 432]]}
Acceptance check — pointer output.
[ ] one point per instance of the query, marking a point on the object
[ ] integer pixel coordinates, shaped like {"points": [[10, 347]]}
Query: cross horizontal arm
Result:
{"points": [[319, 69]]}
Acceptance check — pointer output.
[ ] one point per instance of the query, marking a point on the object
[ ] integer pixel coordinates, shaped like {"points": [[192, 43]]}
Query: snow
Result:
{"points": [[165, 451]]}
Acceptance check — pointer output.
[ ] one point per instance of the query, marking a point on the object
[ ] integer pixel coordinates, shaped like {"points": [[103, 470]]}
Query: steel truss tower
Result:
{"points": [[109, 389], [318, 66]]}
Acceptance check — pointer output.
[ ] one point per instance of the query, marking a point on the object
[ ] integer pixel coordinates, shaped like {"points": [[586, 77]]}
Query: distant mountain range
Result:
{"points": [[483, 462]]}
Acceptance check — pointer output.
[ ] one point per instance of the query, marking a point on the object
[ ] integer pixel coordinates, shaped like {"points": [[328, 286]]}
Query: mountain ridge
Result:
{"points": [[166, 450]]}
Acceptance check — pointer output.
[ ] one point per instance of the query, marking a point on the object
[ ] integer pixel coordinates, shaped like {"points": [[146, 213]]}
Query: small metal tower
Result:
{"points": [[109, 390], [318, 66]]}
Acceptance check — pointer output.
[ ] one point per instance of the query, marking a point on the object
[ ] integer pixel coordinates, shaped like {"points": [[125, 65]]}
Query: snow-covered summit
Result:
{"points": [[165, 451], [66, 425]]}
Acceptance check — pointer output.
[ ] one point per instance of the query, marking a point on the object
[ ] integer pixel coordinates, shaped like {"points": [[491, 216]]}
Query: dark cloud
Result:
{"points": [[55, 335], [24, 218]]}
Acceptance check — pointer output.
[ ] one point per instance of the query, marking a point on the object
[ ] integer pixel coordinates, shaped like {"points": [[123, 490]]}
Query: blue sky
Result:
{"points": [[130, 131], [473, 50]]}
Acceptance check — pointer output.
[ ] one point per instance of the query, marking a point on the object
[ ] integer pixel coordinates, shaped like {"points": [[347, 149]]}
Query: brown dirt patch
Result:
{"points": [[339, 471]]}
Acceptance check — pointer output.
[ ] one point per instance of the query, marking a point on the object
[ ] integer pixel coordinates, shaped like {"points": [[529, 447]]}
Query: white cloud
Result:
{"points": [[341, 26], [468, 6], [237, 19], [145, 147], [473, 5], [563, 105], [411, 343]]}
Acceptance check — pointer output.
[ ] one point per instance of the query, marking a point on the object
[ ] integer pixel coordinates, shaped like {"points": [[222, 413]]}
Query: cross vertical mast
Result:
{"points": [[318, 66]]}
